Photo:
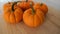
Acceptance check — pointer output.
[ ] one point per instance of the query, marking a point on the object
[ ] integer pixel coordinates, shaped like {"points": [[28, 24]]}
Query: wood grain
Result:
{"points": [[51, 24]]}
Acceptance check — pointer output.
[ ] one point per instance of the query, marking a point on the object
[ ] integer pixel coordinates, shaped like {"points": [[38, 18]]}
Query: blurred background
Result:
{"points": [[53, 3]]}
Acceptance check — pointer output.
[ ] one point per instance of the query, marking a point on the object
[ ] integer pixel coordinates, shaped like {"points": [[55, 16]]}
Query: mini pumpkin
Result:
{"points": [[33, 17], [42, 7], [25, 4], [7, 6], [13, 14]]}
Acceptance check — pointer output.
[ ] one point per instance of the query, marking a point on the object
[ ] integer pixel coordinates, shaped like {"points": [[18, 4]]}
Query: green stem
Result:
{"points": [[33, 11], [13, 6]]}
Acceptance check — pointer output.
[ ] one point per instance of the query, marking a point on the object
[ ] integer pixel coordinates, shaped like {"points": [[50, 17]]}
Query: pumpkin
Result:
{"points": [[42, 7], [25, 4], [7, 6], [33, 17], [13, 14]]}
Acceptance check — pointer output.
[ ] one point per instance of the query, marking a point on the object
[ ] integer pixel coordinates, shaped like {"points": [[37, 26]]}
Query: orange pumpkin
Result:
{"points": [[7, 6], [13, 14], [25, 4], [42, 7], [33, 17]]}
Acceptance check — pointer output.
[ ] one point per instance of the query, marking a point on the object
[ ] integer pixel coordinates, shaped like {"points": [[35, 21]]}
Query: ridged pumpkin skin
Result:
{"points": [[33, 20], [24, 5], [42, 7], [13, 16], [6, 6]]}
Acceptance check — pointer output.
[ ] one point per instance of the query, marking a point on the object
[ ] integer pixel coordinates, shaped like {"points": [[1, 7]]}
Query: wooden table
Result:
{"points": [[51, 24]]}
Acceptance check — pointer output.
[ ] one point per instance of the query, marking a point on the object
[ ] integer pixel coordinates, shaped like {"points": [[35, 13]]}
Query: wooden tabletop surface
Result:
{"points": [[51, 24]]}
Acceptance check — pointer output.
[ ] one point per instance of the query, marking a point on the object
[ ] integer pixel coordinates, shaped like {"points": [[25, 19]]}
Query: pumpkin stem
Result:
{"points": [[13, 5], [41, 4], [33, 11]]}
